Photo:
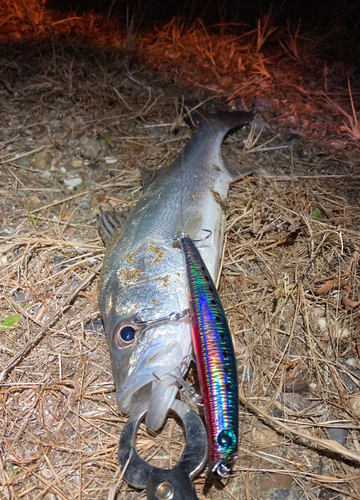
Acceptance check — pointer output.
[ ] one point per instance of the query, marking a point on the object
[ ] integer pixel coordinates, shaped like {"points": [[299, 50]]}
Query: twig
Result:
{"points": [[306, 439], [5, 158], [57, 202], [115, 486], [21, 310], [39, 336]]}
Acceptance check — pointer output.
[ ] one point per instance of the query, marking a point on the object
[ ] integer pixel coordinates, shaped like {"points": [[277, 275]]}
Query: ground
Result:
{"points": [[82, 109]]}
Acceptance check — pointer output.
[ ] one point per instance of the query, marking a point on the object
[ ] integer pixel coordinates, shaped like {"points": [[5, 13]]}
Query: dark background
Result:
{"points": [[334, 24], [313, 13]]}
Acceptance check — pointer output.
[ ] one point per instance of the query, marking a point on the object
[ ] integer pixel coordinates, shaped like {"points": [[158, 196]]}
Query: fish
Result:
{"points": [[143, 297], [215, 362]]}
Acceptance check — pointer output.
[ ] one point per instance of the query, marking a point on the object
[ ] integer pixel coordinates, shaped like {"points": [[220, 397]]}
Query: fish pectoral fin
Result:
{"points": [[190, 223], [109, 222], [236, 171]]}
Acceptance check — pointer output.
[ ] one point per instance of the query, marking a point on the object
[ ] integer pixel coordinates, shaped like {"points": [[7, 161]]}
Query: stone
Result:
{"points": [[42, 160], [73, 182], [277, 481], [23, 162], [89, 148], [338, 434], [264, 437]]}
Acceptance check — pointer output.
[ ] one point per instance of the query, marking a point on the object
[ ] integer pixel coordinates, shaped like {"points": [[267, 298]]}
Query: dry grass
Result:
{"points": [[290, 281]]}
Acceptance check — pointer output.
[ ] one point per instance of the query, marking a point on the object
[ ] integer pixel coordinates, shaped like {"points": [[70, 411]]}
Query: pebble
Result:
{"points": [[42, 160], [55, 160], [294, 402], [279, 486], [77, 163], [277, 413], [69, 232], [331, 327], [352, 362], [20, 296], [322, 323], [351, 382], [338, 434], [297, 385], [73, 182], [89, 148], [264, 437], [277, 481], [266, 104], [23, 162], [155, 131], [84, 205], [5, 207], [58, 259], [3, 259], [354, 402], [110, 160]]}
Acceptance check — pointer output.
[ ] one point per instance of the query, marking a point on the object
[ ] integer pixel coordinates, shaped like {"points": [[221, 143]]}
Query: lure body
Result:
{"points": [[215, 361]]}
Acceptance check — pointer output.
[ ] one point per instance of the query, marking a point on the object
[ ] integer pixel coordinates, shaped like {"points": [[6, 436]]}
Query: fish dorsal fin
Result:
{"points": [[109, 222], [190, 223]]}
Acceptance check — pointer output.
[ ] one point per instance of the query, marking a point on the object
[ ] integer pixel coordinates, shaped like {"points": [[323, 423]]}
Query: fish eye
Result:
{"points": [[127, 333], [124, 334]]}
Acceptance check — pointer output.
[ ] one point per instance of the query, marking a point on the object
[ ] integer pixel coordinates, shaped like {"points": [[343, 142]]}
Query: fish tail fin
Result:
{"points": [[221, 120]]}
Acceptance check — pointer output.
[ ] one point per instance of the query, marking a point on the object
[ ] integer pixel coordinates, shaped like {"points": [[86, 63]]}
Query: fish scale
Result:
{"points": [[215, 361]]}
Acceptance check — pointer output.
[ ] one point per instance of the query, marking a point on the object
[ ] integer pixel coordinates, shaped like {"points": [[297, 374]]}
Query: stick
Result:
{"points": [[306, 439], [57, 202], [39, 336]]}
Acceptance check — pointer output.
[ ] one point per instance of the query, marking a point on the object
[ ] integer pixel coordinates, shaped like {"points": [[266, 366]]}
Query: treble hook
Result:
{"points": [[180, 235], [173, 316]]}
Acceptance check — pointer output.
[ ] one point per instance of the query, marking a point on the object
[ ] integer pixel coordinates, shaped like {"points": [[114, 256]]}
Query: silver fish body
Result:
{"points": [[143, 288]]}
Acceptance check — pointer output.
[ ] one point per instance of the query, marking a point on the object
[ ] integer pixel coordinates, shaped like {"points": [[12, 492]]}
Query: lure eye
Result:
{"points": [[125, 334], [225, 439]]}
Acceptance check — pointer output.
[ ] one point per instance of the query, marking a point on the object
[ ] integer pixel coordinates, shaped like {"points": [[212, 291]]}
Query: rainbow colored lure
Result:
{"points": [[215, 361]]}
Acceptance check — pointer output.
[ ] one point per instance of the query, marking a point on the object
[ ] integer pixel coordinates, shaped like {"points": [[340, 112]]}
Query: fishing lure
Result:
{"points": [[215, 361]]}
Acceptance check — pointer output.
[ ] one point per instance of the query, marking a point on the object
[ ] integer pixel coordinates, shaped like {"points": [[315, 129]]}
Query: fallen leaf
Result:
{"points": [[10, 322], [350, 303], [329, 285], [255, 226], [102, 197], [69, 232]]}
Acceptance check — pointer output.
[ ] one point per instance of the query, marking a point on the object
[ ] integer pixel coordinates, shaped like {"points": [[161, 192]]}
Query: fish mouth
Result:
{"points": [[154, 380]]}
